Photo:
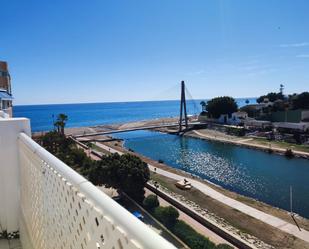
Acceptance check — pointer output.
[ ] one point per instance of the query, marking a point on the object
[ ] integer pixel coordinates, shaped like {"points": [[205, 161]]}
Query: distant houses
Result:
{"points": [[273, 111], [236, 118]]}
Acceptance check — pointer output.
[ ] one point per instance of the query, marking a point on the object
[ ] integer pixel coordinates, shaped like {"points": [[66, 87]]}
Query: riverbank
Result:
{"points": [[241, 221], [214, 134], [250, 142], [263, 144]]}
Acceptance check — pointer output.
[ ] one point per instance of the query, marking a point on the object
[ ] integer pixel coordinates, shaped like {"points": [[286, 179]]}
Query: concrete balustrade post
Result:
{"points": [[10, 129]]}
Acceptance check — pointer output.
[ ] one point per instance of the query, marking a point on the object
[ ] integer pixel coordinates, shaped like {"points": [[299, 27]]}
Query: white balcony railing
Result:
{"points": [[60, 209], [4, 113]]}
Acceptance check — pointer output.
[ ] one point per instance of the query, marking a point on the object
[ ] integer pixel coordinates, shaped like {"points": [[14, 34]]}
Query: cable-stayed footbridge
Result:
{"points": [[181, 126]]}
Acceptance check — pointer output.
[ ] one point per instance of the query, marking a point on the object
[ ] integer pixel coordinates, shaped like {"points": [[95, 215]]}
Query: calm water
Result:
{"points": [[263, 176], [248, 172], [41, 116]]}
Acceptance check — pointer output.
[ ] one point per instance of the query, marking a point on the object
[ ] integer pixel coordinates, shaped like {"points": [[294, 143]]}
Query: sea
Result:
{"points": [[42, 117]]}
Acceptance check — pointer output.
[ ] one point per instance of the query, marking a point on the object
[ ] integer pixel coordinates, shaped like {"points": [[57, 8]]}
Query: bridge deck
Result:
{"points": [[132, 129]]}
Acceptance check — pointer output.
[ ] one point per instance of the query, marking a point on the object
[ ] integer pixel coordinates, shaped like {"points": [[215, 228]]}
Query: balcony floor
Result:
{"points": [[10, 244]]}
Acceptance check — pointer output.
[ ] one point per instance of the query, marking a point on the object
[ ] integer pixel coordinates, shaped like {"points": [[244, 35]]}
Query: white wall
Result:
{"points": [[9, 171]]}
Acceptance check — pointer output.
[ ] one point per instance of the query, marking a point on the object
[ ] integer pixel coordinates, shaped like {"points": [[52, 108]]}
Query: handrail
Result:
{"points": [[134, 229]]}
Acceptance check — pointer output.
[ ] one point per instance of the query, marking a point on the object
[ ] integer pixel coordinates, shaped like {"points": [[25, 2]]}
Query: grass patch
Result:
{"points": [[99, 149], [239, 220], [282, 144]]}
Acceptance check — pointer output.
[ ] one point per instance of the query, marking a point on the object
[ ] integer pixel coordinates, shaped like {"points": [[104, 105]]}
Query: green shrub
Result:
{"points": [[240, 132], [167, 215], [151, 202], [193, 239]]}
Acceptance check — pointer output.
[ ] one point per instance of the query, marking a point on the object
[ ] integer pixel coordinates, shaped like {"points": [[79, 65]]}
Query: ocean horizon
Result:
{"points": [[43, 116]]}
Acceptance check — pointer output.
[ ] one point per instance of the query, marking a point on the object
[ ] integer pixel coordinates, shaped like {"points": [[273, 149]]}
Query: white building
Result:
{"points": [[6, 102], [5, 89], [235, 118], [260, 124], [301, 127], [51, 206]]}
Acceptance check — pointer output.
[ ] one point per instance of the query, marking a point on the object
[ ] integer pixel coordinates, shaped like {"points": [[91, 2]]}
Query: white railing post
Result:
{"points": [[9, 171], [3, 114]]}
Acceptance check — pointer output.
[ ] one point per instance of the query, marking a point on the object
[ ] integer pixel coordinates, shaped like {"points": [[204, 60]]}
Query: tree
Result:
{"points": [[151, 202], [127, 173], [272, 96], [247, 101], [66, 150], [221, 105], [251, 111], [61, 122], [56, 142], [301, 101], [279, 105], [167, 215]]}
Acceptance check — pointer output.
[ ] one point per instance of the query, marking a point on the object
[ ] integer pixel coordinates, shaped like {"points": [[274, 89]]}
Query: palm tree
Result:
{"points": [[61, 122]]}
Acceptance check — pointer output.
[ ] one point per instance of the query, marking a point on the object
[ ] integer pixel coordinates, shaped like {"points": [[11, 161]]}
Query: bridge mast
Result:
{"points": [[183, 107]]}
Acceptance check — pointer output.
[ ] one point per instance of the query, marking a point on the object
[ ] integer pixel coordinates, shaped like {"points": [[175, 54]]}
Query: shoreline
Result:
{"points": [[277, 147], [245, 141], [242, 221], [238, 219], [246, 199], [275, 150], [221, 137]]}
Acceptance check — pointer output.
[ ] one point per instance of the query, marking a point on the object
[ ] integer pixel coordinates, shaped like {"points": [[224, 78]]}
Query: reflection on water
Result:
{"points": [[249, 172]]}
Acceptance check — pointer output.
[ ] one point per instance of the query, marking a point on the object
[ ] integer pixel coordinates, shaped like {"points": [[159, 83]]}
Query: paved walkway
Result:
{"points": [[107, 148], [257, 214]]}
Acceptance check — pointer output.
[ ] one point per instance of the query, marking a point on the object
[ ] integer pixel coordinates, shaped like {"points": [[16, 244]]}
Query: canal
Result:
{"points": [[265, 177]]}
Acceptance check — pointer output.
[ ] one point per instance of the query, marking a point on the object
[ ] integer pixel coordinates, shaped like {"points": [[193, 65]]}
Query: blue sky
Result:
{"points": [[99, 51]]}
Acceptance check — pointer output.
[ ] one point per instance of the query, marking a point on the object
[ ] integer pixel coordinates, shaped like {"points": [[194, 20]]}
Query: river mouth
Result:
{"points": [[253, 173]]}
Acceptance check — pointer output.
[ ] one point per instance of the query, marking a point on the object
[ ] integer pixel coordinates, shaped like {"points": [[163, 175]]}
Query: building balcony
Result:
{"points": [[50, 206]]}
